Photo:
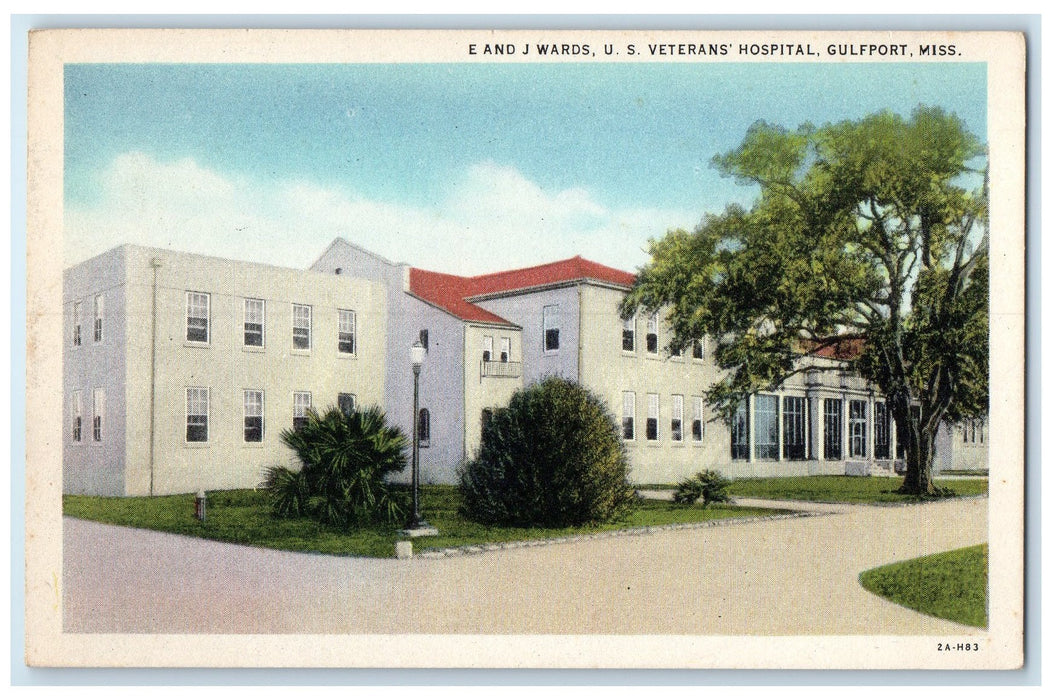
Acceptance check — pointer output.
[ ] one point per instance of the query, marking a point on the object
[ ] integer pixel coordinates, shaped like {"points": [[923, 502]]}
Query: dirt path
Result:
{"points": [[795, 576]]}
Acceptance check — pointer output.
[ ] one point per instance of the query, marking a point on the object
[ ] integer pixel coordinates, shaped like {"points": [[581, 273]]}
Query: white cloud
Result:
{"points": [[489, 219]]}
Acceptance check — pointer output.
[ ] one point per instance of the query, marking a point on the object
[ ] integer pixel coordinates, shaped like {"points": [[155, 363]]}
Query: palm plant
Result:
{"points": [[345, 460]]}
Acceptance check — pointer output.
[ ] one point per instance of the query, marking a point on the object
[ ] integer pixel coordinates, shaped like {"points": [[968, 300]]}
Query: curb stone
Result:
{"points": [[475, 549]]}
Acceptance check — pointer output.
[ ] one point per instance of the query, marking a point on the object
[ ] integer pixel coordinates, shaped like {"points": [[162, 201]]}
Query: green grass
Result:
{"points": [[951, 585], [843, 489], [244, 517]]}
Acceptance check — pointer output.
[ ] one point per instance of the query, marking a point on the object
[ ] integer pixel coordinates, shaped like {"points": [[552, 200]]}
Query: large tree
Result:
{"points": [[872, 231]]}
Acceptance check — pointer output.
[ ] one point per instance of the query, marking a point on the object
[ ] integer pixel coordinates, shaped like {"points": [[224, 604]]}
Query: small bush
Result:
{"points": [[708, 485], [345, 461], [553, 457]]}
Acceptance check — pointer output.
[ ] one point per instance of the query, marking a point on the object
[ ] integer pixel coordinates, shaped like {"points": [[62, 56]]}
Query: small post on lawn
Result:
{"points": [[417, 526]]}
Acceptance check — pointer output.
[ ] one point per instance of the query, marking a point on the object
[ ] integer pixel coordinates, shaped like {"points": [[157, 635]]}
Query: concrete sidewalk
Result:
{"points": [[783, 577]]}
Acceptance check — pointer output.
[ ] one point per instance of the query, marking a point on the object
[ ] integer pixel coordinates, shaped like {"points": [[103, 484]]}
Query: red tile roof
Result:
{"points": [[844, 348], [450, 292]]}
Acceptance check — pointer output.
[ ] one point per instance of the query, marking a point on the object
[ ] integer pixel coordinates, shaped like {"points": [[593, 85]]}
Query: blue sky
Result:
{"points": [[463, 168]]}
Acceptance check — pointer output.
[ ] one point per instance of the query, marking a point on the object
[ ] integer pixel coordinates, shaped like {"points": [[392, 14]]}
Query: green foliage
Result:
{"points": [[875, 229], [846, 489], [345, 462], [246, 517], [952, 585], [708, 485], [552, 457]]}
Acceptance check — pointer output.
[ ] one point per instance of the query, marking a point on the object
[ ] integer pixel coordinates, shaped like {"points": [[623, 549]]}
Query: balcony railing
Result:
{"points": [[501, 369]]}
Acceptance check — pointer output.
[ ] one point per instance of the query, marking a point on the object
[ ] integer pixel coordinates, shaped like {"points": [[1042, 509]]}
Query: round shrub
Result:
{"points": [[553, 457], [345, 461]]}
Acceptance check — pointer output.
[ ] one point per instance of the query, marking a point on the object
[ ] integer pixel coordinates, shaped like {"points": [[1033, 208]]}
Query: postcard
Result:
{"points": [[525, 349]]}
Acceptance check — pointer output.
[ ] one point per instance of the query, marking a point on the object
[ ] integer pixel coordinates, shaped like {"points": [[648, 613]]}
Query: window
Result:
{"points": [[196, 414], [881, 431], [98, 318], [197, 306], [794, 421], [628, 415], [652, 334], [98, 407], [740, 431], [347, 403], [487, 348], [423, 428], [76, 323], [505, 349], [253, 415], [857, 428], [255, 311], [766, 437], [833, 424], [424, 338], [301, 404], [974, 431], [677, 418], [697, 426], [346, 339], [699, 349], [628, 334], [300, 327], [550, 319], [78, 412], [653, 412]]}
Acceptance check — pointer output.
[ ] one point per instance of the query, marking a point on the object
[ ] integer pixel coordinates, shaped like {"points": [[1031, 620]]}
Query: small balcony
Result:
{"points": [[501, 369]]}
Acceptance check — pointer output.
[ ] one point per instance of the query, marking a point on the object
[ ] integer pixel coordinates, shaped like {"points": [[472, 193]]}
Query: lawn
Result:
{"points": [[951, 585], [844, 489], [243, 517]]}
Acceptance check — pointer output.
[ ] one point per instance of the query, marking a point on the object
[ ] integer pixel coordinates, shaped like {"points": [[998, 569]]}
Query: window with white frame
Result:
{"points": [[347, 403], [628, 415], [628, 334], [740, 430], [505, 349], [653, 414], [346, 339], [255, 315], [77, 409], [76, 322], [857, 428], [197, 314], [253, 415], [550, 320], [833, 428], [98, 318], [881, 431], [301, 327], [301, 404], [487, 348], [766, 432], [794, 431], [652, 334], [698, 349], [974, 431], [677, 418], [98, 409], [697, 426], [196, 414], [423, 428]]}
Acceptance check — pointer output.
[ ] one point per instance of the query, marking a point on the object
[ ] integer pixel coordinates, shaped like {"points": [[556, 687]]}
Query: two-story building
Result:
{"points": [[189, 367]]}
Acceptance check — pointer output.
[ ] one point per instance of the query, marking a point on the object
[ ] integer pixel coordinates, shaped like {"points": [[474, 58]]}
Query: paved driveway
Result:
{"points": [[796, 576]]}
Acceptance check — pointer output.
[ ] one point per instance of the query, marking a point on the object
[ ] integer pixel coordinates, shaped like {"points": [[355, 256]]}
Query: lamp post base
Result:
{"points": [[419, 529]]}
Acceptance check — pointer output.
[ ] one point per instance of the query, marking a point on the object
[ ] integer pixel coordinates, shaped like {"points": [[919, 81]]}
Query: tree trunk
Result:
{"points": [[920, 456]]}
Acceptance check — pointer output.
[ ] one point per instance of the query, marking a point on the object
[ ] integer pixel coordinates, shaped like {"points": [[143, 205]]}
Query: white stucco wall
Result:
{"points": [[89, 466], [226, 367]]}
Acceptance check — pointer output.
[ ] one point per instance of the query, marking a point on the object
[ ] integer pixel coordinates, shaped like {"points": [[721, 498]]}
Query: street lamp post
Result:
{"points": [[417, 525]]}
